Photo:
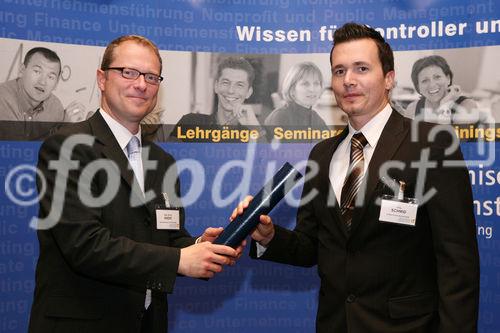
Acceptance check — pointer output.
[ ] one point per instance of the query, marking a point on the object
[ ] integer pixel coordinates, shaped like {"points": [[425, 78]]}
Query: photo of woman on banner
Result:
{"points": [[441, 101], [301, 89]]}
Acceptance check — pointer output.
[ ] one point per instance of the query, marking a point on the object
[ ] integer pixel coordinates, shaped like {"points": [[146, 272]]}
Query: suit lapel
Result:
{"points": [[152, 179], [391, 138], [325, 185], [111, 149]]}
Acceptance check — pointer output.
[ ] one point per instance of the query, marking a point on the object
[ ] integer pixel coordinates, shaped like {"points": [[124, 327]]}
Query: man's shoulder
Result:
{"points": [[67, 131], [82, 127], [8, 100], [8, 90], [8, 84], [324, 146]]}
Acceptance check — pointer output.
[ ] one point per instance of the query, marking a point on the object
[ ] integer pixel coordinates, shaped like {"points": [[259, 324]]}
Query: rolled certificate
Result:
{"points": [[274, 190]]}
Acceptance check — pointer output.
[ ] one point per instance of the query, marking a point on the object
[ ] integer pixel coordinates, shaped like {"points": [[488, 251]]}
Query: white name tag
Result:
{"points": [[167, 219], [394, 211]]}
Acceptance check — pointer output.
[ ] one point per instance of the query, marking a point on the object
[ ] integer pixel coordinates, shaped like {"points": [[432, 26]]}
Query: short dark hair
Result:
{"points": [[108, 56], [47, 53], [236, 63], [433, 60], [354, 31]]}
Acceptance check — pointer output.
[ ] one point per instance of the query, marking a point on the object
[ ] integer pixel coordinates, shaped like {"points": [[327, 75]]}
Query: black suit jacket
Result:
{"points": [[387, 277], [96, 263]]}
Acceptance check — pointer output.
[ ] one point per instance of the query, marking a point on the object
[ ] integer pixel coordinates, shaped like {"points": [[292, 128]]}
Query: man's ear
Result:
{"points": [[389, 80], [216, 84], [101, 79], [22, 69], [249, 93]]}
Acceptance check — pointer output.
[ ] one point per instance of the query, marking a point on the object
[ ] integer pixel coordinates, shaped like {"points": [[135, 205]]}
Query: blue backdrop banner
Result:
{"points": [[220, 165]]}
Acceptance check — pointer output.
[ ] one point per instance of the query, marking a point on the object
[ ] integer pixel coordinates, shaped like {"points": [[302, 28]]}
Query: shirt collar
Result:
{"points": [[120, 132], [373, 129]]}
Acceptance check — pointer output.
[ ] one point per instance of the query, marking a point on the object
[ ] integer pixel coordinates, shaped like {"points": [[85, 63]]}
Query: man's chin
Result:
{"points": [[350, 108], [138, 113], [228, 108], [37, 98]]}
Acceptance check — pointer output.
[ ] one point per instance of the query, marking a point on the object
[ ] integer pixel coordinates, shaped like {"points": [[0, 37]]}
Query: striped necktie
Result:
{"points": [[353, 179]]}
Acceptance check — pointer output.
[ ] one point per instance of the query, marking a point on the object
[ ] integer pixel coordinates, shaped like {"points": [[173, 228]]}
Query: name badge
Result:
{"points": [[398, 211], [168, 219]]}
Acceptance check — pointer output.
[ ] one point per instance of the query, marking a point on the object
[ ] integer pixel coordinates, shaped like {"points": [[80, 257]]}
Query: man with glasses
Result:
{"points": [[107, 264]]}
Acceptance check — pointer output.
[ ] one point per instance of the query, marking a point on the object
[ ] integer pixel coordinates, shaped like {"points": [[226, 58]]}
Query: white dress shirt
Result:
{"points": [[123, 136], [340, 159]]}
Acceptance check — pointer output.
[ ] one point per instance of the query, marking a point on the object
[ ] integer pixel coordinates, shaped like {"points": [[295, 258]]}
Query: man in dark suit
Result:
{"points": [[111, 231], [382, 267]]}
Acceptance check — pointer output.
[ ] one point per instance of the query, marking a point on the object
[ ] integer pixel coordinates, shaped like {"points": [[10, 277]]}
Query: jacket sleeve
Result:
{"points": [[454, 238], [300, 246], [79, 233]]}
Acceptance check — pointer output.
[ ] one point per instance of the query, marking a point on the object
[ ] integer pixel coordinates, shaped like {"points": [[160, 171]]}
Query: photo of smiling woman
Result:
{"points": [[441, 101], [301, 89]]}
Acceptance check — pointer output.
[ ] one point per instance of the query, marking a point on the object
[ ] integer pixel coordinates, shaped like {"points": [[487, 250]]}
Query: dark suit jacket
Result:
{"points": [[96, 262], [387, 277]]}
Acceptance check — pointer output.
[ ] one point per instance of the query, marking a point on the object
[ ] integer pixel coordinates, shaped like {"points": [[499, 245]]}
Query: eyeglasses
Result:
{"points": [[133, 74]]}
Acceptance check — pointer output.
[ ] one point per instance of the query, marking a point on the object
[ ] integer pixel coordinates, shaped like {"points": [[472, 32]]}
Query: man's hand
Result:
{"points": [[264, 232], [204, 259], [246, 115], [210, 234], [74, 112]]}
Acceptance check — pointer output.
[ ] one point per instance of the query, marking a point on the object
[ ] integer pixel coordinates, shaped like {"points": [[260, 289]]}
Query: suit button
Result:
{"points": [[351, 298], [140, 315]]}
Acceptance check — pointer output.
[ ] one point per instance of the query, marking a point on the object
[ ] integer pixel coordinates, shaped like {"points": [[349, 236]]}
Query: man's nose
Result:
{"points": [[349, 79], [140, 83], [42, 79]]}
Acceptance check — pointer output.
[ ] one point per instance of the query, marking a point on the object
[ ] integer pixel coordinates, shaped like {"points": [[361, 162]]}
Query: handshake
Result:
{"points": [[218, 246]]}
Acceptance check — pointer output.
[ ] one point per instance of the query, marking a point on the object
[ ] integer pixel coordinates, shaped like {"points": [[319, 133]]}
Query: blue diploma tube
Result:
{"points": [[274, 190]]}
